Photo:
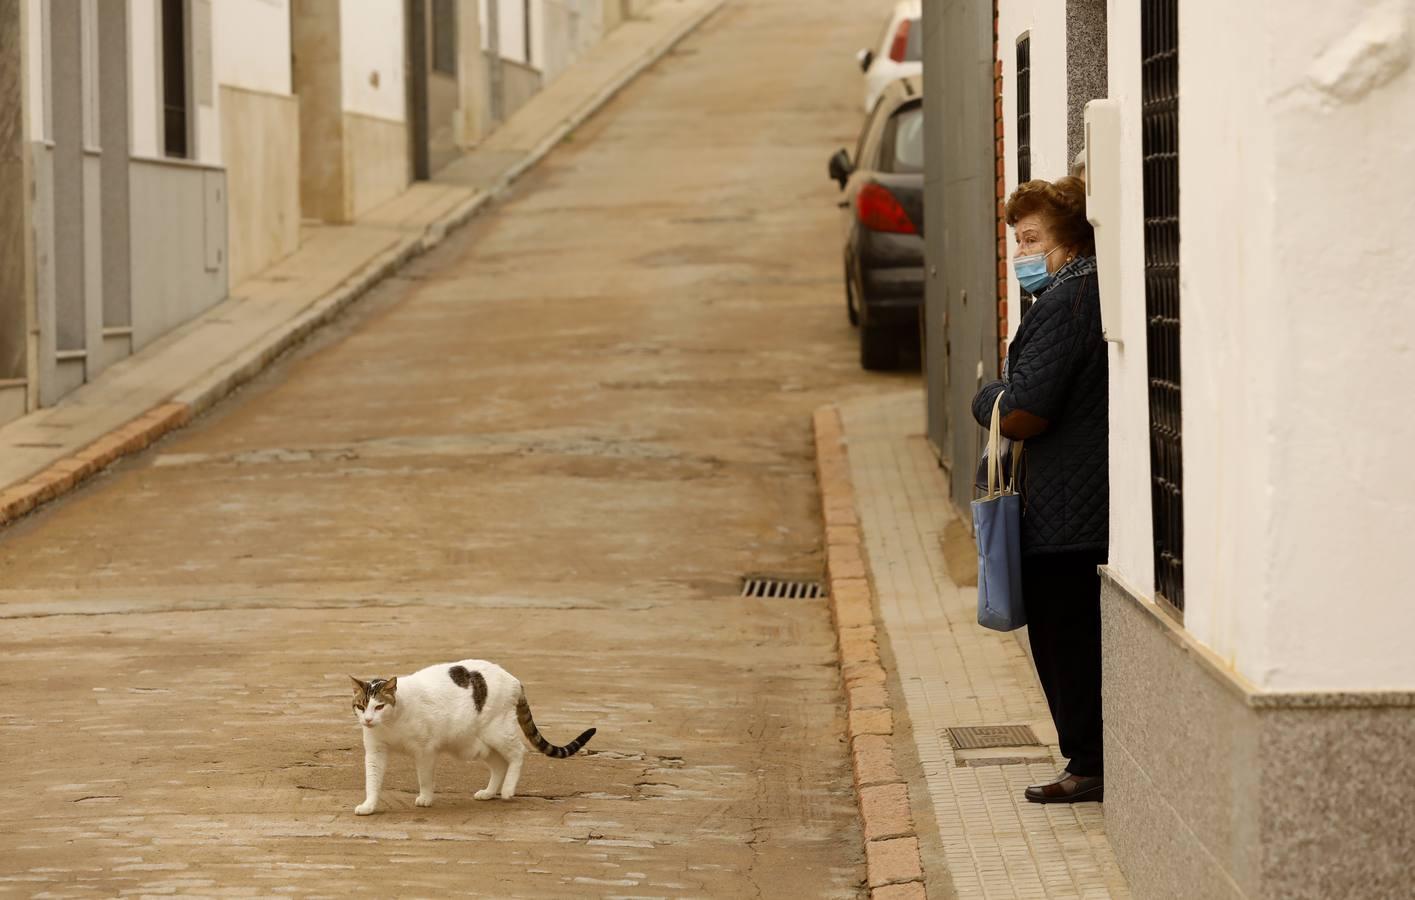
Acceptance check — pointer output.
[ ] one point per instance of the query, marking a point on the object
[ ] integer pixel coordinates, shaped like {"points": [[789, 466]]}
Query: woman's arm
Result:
{"points": [[1040, 375], [1017, 424]]}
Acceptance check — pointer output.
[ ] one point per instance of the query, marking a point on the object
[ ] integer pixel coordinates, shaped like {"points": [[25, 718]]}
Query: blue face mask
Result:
{"points": [[1032, 271]]}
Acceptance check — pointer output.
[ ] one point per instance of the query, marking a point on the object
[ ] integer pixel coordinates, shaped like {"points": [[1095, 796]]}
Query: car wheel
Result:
{"points": [[878, 349], [852, 303]]}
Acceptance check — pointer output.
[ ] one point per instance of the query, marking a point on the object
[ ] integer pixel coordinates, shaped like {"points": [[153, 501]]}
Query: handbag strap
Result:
{"points": [[997, 486]]}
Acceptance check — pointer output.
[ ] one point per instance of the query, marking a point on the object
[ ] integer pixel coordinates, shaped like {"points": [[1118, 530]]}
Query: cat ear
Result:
{"points": [[359, 686], [391, 687]]}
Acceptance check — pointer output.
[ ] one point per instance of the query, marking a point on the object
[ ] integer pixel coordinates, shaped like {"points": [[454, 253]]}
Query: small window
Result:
{"points": [[175, 140], [865, 132], [902, 149], [444, 36]]}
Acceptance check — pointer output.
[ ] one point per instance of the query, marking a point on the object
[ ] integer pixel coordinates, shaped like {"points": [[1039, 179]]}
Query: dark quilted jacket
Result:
{"points": [[1057, 368]]}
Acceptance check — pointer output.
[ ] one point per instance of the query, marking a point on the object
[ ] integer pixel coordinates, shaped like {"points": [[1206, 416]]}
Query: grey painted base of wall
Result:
{"points": [[519, 84], [13, 401], [1216, 790]]}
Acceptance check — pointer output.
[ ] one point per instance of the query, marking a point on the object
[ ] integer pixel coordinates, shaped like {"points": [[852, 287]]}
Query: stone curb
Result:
{"points": [[893, 865], [21, 498]]}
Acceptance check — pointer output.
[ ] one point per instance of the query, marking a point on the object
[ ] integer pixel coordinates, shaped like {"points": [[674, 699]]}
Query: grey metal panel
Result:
{"points": [[42, 213], [66, 75], [965, 289], [935, 296], [114, 138], [93, 262], [16, 262], [213, 193], [172, 204]]}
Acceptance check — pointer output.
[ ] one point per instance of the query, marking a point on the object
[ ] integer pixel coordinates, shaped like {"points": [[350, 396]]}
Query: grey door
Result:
{"points": [[962, 290]]}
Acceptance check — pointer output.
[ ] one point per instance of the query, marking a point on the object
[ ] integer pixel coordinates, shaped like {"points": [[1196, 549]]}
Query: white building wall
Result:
{"points": [[252, 44], [1131, 531], [511, 28], [1297, 323], [144, 130], [1343, 490], [35, 65], [1045, 20], [373, 58]]}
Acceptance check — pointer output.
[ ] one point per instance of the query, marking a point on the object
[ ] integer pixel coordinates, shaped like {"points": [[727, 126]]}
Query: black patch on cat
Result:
{"points": [[468, 679]]}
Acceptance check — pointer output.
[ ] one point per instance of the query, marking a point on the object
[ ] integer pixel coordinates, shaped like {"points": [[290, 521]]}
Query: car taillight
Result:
{"points": [[901, 41], [879, 210]]}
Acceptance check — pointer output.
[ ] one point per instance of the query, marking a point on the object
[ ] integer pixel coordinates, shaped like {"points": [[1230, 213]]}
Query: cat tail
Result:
{"points": [[528, 727]]}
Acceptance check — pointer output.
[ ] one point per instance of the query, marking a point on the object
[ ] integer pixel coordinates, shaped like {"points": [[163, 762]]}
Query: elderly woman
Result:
{"points": [[1054, 397]]}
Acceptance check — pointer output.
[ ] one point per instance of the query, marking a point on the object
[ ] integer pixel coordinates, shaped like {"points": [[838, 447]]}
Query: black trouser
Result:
{"points": [[1062, 593]]}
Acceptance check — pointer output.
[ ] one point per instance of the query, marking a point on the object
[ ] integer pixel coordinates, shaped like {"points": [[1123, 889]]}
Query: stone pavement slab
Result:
{"points": [[955, 673]]}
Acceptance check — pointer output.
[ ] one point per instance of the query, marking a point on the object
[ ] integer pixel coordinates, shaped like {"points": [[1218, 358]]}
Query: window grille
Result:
{"points": [[1024, 108], [1024, 124], [1159, 30]]}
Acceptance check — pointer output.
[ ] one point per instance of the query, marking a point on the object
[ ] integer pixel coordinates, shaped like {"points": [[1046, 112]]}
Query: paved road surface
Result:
{"points": [[556, 443]]}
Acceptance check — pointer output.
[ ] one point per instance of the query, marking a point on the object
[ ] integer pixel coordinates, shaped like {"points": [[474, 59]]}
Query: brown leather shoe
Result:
{"points": [[1068, 788]]}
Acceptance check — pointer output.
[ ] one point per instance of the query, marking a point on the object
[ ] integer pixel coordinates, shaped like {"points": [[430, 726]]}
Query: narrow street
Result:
{"points": [[557, 442]]}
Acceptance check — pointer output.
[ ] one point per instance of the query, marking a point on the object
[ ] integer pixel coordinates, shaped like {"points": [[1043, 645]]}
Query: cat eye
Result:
{"points": [[379, 706]]}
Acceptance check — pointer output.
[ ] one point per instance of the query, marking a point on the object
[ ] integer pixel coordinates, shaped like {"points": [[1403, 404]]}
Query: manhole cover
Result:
{"points": [[977, 737], [781, 589]]}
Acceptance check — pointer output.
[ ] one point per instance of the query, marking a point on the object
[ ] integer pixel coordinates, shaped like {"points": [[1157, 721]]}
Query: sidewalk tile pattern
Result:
{"points": [[955, 673]]}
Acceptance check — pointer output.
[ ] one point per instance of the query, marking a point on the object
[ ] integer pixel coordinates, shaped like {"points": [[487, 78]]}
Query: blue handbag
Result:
{"points": [[997, 525]]}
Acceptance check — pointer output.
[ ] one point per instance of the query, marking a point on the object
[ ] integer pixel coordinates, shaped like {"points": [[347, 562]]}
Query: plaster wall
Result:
{"points": [[252, 44], [1045, 21], [1294, 303], [372, 50], [1131, 531], [143, 79]]}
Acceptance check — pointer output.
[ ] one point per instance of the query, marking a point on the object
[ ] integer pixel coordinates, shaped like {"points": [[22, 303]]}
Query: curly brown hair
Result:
{"points": [[1063, 204]]}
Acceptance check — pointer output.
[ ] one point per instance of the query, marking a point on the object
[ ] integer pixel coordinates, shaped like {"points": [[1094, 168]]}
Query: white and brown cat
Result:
{"points": [[471, 709]]}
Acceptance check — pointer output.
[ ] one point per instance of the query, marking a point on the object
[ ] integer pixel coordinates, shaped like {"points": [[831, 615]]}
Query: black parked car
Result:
{"points": [[884, 211]]}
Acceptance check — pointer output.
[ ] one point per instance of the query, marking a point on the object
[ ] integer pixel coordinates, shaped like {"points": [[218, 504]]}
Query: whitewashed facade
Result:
{"points": [[1252, 737], [162, 152]]}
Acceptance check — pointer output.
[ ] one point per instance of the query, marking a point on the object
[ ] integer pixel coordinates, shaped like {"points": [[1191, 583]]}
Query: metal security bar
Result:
{"points": [[1024, 124], [1159, 37], [1024, 108]]}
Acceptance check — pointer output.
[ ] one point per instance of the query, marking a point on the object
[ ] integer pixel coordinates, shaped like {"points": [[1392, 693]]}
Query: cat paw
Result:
{"points": [[364, 808], [424, 800], [507, 795], [484, 794]]}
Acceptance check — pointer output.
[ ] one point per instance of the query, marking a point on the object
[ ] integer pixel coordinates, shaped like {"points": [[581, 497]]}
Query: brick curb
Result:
{"points": [[62, 476], [893, 865]]}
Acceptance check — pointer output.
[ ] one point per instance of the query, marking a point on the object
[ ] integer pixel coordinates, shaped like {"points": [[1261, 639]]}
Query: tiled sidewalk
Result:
{"points": [[955, 673]]}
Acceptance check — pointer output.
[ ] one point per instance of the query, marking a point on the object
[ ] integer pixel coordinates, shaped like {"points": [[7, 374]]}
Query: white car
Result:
{"points": [[898, 53]]}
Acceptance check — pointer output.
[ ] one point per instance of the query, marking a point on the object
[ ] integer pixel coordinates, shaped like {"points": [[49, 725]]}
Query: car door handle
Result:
{"points": [[843, 204]]}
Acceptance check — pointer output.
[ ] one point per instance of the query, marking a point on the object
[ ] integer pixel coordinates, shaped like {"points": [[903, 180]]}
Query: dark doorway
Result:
{"points": [[176, 140], [434, 88]]}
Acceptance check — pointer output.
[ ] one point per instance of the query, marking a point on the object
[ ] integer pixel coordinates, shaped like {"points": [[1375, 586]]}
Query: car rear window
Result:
{"points": [[902, 147], [914, 48]]}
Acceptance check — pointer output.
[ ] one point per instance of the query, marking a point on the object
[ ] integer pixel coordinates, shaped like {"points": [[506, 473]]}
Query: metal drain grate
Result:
{"points": [[781, 589], [978, 737]]}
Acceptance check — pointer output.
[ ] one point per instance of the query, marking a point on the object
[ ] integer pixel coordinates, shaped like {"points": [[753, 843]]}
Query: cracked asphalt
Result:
{"points": [[557, 442]]}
